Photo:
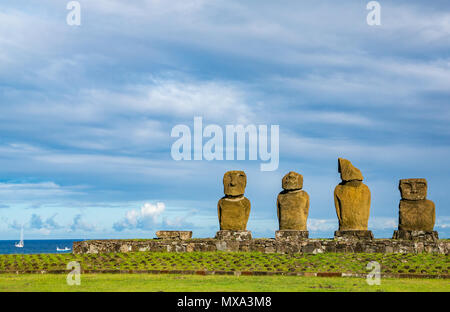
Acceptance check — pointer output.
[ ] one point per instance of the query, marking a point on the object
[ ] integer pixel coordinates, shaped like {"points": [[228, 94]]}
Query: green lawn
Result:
{"points": [[433, 264], [192, 283]]}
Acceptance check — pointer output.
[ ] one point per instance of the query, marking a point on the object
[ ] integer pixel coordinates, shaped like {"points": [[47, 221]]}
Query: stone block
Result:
{"points": [[233, 235], [431, 236], [358, 235], [183, 235], [291, 235]]}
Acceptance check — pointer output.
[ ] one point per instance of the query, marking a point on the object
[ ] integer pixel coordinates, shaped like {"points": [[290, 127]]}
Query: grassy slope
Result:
{"points": [[232, 261], [183, 283]]}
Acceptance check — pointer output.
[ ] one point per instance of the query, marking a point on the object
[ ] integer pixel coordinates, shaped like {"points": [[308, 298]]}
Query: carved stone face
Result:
{"points": [[292, 181], [234, 183], [413, 189]]}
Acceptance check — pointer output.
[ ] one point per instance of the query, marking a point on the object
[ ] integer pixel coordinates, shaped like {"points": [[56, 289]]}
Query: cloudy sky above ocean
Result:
{"points": [[86, 112]]}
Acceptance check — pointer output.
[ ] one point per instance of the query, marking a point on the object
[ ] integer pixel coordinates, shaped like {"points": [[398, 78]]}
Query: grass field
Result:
{"points": [[434, 264], [194, 283]]}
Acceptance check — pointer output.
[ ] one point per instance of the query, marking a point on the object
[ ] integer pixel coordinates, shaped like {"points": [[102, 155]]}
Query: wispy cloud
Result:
{"points": [[322, 225], [80, 225], [36, 222], [443, 223], [36, 190]]}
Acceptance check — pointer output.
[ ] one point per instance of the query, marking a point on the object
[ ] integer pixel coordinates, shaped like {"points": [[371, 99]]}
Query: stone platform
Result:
{"points": [[416, 235], [291, 235], [233, 235], [183, 235], [266, 245], [353, 235]]}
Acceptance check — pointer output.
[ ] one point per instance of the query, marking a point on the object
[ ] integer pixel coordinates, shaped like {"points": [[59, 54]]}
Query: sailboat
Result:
{"points": [[20, 244], [62, 249]]}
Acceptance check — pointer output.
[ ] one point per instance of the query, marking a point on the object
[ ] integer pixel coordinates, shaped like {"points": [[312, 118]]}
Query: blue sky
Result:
{"points": [[86, 112]]}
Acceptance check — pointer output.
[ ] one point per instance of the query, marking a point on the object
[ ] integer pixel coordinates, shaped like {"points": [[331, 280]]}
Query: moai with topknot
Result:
{"points": [[352, 202]]}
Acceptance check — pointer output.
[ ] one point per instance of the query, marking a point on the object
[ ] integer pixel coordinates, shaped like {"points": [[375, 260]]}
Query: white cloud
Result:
{"points": [[443, 222], [145, 218], [137, 118], [176, 98], [149, 218], [383, 223], [322, 225], [152, 211]]}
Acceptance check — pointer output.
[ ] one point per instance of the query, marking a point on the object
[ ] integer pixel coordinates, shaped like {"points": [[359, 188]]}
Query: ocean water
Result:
{"points": [[36, 246]]}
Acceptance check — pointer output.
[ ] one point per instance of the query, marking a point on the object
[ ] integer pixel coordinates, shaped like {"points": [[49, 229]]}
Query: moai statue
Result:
{"points": [[352, 202], [234, 208], [292, 208], [417, 214]]}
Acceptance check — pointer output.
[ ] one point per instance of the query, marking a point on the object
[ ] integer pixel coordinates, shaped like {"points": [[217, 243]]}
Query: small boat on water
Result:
{"points": [[21, 243], [63, 249]]}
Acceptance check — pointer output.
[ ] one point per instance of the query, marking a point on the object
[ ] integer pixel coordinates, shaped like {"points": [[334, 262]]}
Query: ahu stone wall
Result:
{"points": [[266, 245]]}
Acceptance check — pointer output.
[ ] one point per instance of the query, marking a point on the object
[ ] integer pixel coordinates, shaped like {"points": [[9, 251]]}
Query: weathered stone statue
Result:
{"points": [[352, 202], [292, 208], [417, 214], [234, 208]]}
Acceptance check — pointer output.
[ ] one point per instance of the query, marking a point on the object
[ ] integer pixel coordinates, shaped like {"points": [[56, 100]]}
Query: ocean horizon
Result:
{"points": [[36, 246]]}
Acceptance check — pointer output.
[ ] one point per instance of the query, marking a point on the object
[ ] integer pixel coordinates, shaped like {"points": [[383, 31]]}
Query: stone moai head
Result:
{"points": [[292, 181], [413, 189], [234, 183], [348, 171]]}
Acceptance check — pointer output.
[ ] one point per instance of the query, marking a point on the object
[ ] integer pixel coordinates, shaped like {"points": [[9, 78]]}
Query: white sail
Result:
{"points": [[20, 244]]}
